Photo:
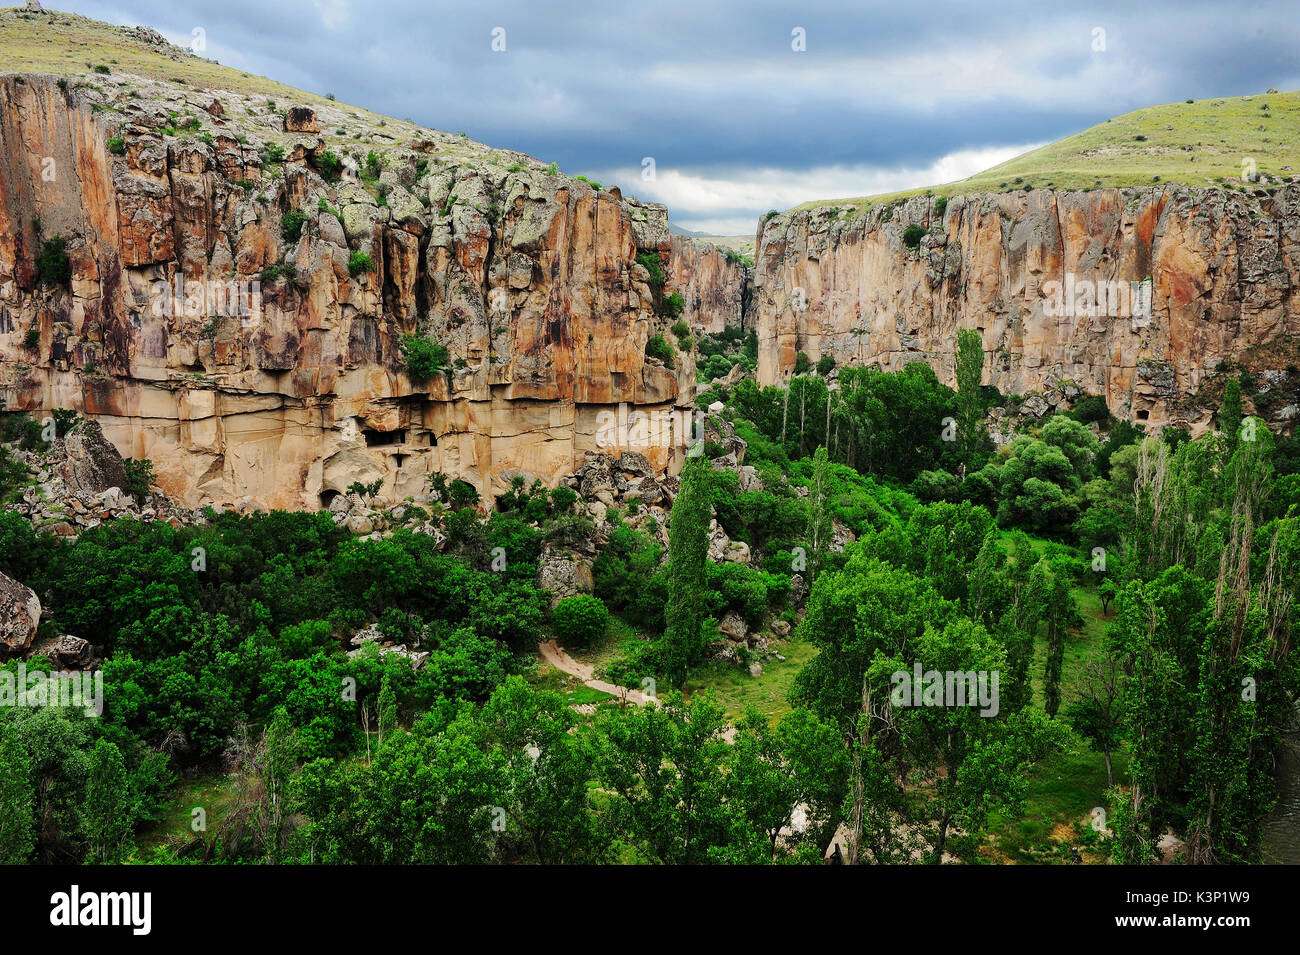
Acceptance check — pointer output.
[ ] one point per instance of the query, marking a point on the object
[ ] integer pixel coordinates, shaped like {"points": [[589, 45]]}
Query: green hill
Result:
{"points": [[1200, 142]]}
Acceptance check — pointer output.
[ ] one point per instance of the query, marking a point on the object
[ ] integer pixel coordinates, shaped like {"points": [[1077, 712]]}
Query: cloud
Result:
{"points": [[885, 93], [730, 203]]}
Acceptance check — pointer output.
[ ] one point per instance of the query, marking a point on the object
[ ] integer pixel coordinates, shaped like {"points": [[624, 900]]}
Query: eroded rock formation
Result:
{"points": [[252, 356], [1223, 271], [712, 287]]}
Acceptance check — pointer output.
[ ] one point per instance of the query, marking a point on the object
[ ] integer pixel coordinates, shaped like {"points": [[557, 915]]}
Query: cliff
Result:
{"points": [[1221, 269], [241, 282], [713, 287]]}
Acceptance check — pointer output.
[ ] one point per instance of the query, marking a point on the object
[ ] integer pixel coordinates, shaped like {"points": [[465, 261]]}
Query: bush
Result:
{"points": [[139, 478], [912, 236], [462, 494], [32, 340], [117, 146], [681, 330], [802, 363], [291, 224], [581, 619], [424, 357], [654, 266], [1090, 408], [272, 153], [359, 262], [329, 165], [940, 205], [53, 267], [658, 347], [672, 305], [563, 498], [825, 365]]}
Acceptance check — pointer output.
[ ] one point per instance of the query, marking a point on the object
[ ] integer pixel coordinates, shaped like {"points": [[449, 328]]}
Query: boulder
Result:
{"points": [[732, 626], [86, 461], [736, 552], [67, 652], [564, 575], [756, 669], [780, 629], [20, 615], [301, 119]]}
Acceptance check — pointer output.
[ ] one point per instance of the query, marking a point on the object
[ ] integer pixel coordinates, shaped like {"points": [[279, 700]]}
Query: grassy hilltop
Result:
{"points": [[1199, 142]]}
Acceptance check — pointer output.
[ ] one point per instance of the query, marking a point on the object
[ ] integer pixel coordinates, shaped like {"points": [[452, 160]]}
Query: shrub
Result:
{"points": [[802, 363], [359, 262], [139, 478], [672, 305], [291, 224], [1090, 408], [658, 347], [272, 153], [424, 357], [117, 146], [329, 165], [462, 494], [32, 340], [940, 205], [53, 266], [681, 330], [912, 236], [825, 365], [654, 266], [563, 498], [581, 619]]}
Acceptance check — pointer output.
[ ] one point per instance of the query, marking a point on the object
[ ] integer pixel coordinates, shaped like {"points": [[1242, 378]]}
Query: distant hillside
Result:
{"points": [[1200, 143]]}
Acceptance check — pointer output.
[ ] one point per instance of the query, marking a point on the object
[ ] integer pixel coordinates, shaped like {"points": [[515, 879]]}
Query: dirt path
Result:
{"points": [[557, 658]]}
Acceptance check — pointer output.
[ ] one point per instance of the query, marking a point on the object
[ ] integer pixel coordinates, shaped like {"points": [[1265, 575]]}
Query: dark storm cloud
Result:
{"points": [[714, 91]]}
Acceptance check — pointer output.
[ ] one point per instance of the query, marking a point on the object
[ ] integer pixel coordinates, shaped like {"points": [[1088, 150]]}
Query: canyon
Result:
{"points": [[245, 273], [1221, 272]]}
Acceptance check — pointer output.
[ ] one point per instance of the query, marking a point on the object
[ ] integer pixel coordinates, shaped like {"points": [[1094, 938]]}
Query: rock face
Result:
{"points": [[87, 462], [250, 360], [20, 615], [1223, 270], [713, 288]]}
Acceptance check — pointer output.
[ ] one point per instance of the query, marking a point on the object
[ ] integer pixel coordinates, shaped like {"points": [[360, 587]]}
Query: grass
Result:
{"points": [[214, 793], [734, 689], [1205, 146]]}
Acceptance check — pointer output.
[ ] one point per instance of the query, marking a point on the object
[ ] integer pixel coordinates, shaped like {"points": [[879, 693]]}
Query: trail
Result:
{"points": [[557, 658]]}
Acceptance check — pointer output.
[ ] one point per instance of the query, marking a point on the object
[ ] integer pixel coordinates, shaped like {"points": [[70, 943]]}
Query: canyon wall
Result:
{"points": [[712, 287], [1222, 271], [528, 278]]}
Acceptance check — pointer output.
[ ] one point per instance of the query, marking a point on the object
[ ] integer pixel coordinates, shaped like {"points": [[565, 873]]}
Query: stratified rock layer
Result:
{"points": [[528, 278], [1223, 267]]}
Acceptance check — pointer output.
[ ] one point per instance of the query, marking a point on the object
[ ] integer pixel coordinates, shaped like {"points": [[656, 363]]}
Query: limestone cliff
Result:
{"points": [[222, 318], [712, 287], [1222, 271]]}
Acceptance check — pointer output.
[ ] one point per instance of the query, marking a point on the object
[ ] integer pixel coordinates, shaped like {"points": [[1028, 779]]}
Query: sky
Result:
{"points": [[745, 107]]}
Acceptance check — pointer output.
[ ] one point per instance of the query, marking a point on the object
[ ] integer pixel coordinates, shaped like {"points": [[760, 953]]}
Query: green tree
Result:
{"points": [[1230, 413], [580, 619], [105, 819], [969, 362], [688, 547], [17, 796], [819, 513]]}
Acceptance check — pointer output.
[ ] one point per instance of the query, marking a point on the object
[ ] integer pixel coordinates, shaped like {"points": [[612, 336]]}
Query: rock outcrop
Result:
{"points": [[236, 311], [20, 615], [712, 287], [1222, 270]]}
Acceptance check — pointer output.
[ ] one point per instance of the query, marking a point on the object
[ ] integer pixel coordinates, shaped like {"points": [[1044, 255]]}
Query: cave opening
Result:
{"points": [[378, 439], [327, 497]]}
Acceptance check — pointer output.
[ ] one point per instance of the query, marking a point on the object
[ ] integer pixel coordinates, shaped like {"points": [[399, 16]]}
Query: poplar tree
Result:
{"points": [[16, 797], [688, 548]]}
